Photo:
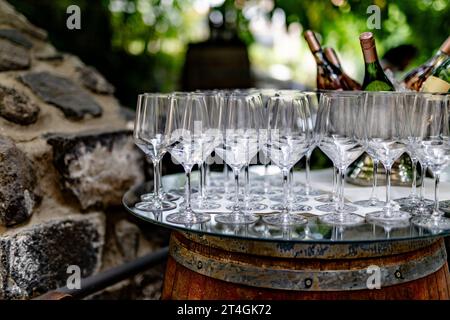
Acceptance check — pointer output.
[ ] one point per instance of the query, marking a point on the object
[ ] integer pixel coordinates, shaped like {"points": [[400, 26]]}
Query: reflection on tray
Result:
{"points": [[313, 231]]}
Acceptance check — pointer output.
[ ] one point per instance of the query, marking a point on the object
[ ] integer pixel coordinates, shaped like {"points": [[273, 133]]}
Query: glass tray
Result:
{"points": [[313, 232]]}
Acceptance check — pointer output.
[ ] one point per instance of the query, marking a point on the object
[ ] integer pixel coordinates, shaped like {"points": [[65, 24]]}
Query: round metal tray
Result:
{"points": [[313, 232]]}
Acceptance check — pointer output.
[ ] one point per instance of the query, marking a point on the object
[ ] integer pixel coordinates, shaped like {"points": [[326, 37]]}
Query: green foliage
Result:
{"points": [[140, 44]]}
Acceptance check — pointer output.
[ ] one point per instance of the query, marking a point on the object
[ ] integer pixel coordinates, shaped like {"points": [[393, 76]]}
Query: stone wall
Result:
{"points": [[66, 158]]}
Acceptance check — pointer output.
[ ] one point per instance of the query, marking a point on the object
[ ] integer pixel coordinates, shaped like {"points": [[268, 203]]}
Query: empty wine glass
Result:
{"points": [[338, 126], [412, 200], [290, 133], [214, 104], [434, 145], [313, 102], [251, 201], [151, 137], [189, 138], [265, 189], [239, 125], [384, 135]]}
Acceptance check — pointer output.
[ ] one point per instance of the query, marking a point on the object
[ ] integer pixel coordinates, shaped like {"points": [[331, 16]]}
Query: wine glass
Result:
{"points": [[313, 102], [433, 144], [413, 199], [214, 104], [373, 200], [290, 133], [188, 128], [239, 126], [251, 201], [338, 126], [265, 189], [151, 137], [384, 135]]}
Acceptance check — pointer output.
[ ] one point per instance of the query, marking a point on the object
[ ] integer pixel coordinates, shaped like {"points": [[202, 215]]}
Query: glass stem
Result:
{"points": [[156, 183], [388, 191], [236, 191], [161, 191], [373, 197], [266, 177], [207, 176], [436, 212], [291, 183], [246, 185], [341, 202], [202, 169], [188, 209], [308, 173], [423, 171], [226, 176], [286, 191], [414, 179], [335, 184]]}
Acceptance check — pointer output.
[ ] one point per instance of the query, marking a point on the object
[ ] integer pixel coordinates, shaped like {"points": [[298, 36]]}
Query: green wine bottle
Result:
{"points": [[439, 81], [374, 77]]}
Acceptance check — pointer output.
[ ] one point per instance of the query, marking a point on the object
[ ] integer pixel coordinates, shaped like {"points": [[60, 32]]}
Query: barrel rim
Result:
{"points": [[260, 275]]}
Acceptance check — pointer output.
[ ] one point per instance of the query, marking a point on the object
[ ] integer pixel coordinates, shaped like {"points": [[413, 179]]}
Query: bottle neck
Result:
{"points": [[370, 56], [322, 61]]}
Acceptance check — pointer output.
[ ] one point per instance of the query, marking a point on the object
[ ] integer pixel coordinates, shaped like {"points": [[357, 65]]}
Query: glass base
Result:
{"points": [[331, 207], [384, 217], [370, 203], [204, 205], [269, 191], [293, 207], [216, 191], [418, 210], [236, 218], [183, 218], [282, 219], [280, 198], [251, 207], [410, 201], [164, 196], [182, 191], [328, 198], [152, 206], [337, 219], [253, 198], [311, 193], [433, 223], [209, 197]]}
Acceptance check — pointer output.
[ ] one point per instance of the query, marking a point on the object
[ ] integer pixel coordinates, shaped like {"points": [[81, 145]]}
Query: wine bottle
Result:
{"points": [[374, 77], [416, 78], [439, 80], [327, 74], [332, 57]]}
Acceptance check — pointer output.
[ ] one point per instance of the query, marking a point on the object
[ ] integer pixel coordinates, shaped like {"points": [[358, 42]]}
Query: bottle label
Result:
{"points": [[435, 84]]}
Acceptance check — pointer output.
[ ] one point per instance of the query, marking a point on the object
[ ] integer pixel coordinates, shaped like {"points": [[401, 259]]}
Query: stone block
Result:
{"points": [[62, 92], [17, 184], [35, 259], [97, 167]]}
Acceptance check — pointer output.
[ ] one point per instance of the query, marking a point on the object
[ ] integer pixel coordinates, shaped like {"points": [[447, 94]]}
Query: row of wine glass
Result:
{"points": [[286, 125]]}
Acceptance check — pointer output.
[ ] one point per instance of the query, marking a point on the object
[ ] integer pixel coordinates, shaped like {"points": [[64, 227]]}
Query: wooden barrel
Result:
{"points": [[207, 267]]}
